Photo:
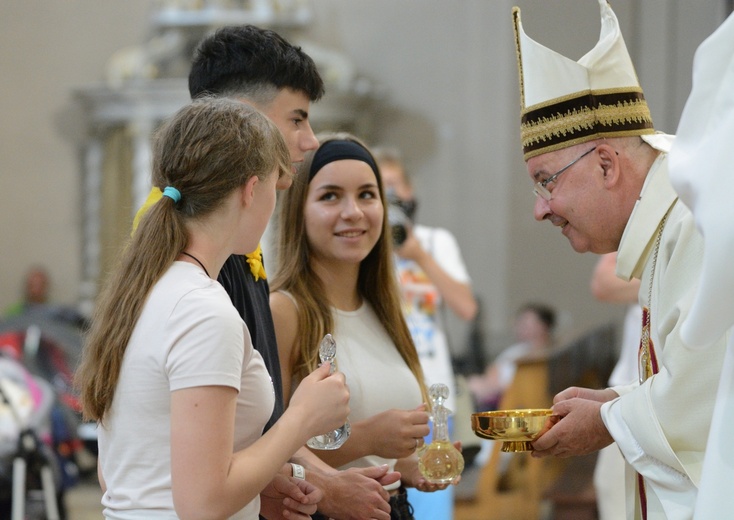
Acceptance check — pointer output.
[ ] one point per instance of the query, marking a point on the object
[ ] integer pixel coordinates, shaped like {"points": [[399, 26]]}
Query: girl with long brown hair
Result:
{"points": [[336, 275]]}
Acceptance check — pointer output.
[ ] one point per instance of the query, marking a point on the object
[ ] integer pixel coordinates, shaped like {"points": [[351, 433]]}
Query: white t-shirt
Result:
{"points": [[506, 362], [188, 335], [422, 305]]}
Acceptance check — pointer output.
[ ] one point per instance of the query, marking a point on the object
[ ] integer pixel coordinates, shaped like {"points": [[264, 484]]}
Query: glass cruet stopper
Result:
{"points": [[440, 462], [333, 439]]}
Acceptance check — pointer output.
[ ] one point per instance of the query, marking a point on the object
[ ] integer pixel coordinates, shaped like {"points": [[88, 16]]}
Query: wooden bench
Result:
{"points": [[567, 484], [572, 495], [515, 494], [587, 361]]}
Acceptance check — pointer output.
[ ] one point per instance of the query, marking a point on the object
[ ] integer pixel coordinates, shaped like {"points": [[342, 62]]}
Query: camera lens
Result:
{"points": [[399, 224], [399, 234]]}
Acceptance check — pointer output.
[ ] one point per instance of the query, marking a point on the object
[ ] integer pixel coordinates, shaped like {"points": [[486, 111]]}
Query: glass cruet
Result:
{"points": [[440, 462], [333, 439]]}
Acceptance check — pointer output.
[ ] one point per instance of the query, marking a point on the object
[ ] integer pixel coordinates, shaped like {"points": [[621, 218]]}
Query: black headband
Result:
{"points": [[338, 150]]}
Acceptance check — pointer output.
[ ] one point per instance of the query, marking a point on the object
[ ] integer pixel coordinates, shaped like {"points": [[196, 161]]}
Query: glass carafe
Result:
{"points": [[333, 439], [440, 462]]}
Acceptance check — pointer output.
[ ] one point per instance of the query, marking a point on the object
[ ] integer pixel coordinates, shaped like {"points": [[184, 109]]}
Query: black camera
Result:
{"points": [[399, 217]]}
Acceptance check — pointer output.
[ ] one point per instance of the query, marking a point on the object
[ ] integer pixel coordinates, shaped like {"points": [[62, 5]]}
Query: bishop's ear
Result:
{"points": [[609, 163]]}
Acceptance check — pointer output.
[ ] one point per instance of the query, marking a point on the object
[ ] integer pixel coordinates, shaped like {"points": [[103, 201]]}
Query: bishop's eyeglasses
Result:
{"points": [[540, 188]]}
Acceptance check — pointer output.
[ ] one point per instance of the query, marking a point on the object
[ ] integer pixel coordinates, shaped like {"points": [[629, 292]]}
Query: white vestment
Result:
{"points": [[701, 172]]}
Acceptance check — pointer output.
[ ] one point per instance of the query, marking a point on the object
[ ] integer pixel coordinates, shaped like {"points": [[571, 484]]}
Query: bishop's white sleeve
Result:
{"points": [[674, 489]]}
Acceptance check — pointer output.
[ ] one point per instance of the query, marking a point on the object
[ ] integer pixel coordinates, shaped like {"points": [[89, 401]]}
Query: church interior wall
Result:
{"points": [[447, 77]]}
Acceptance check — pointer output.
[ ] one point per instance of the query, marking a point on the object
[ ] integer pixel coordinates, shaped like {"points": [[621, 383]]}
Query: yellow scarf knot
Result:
{"points": [[255, 259]]}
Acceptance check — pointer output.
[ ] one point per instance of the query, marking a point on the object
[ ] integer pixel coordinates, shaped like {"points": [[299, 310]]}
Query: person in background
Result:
{"points": [[35, 291], [36, 306], [600, 173], [606, 286], [336, 275], [168, 369], [259, 67], [534, 326], [432, 277]]}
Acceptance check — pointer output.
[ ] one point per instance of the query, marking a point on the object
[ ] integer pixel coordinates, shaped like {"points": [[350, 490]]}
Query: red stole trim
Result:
{"points": [[648, 366], [643, 495]]}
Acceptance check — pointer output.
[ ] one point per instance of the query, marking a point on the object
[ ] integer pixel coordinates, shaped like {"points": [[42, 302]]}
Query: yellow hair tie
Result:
{"points": [[255, 259]]}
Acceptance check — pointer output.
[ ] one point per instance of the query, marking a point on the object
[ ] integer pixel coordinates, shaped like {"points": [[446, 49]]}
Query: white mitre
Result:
{"points": [[565, 103]]}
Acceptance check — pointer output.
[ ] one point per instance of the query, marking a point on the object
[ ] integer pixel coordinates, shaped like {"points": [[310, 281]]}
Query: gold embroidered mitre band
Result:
{"points": [[565, 103]]}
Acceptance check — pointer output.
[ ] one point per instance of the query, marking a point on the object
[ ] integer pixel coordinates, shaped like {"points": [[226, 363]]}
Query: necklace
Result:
{"points": [[648, 363], [647, 360], [197, 261]]}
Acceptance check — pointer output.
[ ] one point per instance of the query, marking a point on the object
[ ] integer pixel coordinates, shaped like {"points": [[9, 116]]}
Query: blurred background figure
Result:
{"points": [[35, 291], [41, 341], [609, 469], [533, 327], [432, 277], [35, 306]]}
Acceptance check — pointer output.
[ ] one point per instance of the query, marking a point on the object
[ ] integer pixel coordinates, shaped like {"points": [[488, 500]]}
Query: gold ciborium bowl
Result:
{"points": [[516, 428]]}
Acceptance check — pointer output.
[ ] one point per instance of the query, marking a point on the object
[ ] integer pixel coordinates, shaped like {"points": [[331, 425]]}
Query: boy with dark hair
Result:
{"points": [[259, 67], [239, 61]]}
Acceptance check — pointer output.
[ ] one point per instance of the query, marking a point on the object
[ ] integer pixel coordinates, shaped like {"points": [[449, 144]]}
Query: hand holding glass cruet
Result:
{"points": [[333, 439]]}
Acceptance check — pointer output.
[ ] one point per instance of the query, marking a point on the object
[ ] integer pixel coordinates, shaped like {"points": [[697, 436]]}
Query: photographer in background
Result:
{"points": [[432, 274]]}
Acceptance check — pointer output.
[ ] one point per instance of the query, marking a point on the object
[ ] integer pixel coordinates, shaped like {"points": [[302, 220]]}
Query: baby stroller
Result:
{"points": [[48, 346], [29, 473]]}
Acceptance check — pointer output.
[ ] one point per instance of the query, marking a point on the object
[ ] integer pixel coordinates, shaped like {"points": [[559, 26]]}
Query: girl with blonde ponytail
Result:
{"points": [[168, 369]]}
